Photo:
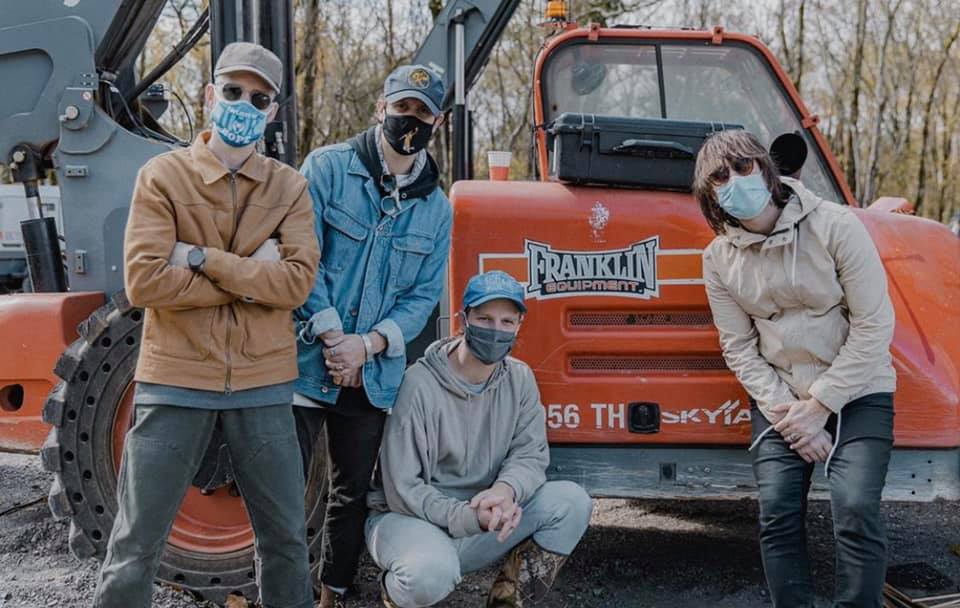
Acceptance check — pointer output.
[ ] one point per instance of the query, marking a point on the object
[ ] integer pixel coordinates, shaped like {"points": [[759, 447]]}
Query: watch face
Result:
{"points": [[196, 257]]}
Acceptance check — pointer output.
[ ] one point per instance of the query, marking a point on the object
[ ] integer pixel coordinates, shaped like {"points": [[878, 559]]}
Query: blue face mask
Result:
{"points": [[744, 197], [238, 123]]}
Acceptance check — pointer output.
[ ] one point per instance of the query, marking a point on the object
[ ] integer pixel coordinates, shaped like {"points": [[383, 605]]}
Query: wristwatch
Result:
{"points": [[196, 258]]}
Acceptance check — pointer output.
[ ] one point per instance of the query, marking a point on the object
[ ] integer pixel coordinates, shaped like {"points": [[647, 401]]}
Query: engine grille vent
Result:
{"points": [[620, 320], [599, 364]]}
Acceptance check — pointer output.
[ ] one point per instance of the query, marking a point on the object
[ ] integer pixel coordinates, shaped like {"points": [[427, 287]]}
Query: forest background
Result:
{"points": [[883, 75]]}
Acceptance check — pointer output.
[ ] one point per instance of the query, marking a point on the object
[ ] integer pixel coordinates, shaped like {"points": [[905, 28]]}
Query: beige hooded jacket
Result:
{"points": [[803, 311]]}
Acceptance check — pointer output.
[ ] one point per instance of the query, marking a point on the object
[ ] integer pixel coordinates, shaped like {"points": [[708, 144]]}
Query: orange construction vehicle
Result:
{"points": [[608, 243]]}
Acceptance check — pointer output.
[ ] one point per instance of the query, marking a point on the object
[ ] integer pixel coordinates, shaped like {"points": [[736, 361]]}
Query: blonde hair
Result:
{"points": [[720, 149]]}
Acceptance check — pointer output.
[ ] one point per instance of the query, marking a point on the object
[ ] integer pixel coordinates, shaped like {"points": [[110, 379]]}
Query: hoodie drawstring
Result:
{"points": [[760, 438], [836, 442]]}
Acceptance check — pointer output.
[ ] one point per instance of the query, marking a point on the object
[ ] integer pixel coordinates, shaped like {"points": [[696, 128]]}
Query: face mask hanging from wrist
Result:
{"points": [[744, 197], [406, 134], [238, 123], [489, 345]]}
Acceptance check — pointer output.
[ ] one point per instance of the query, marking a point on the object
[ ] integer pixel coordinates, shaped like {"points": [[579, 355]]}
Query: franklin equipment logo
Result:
{"points": [[630, 272]]}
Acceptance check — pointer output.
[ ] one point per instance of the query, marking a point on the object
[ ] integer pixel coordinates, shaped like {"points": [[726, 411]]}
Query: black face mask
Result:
{"points": [[406, 134]]}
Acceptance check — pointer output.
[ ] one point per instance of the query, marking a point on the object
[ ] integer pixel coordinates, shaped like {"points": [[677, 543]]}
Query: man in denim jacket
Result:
{"points": [[384, 230]]}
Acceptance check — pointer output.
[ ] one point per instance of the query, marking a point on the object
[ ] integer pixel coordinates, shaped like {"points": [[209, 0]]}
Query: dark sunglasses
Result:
{"points": [[259, 99], [743, 166]]}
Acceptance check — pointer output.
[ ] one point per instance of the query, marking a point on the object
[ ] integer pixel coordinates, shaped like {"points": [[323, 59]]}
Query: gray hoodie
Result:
{"points": [[444, 444]]}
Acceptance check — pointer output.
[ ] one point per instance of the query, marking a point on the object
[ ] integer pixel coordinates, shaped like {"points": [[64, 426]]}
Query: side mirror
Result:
{"points": [[789, 152]]}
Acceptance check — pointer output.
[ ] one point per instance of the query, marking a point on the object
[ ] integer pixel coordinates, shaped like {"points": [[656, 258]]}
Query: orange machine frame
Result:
{"points": [[702, 402]]}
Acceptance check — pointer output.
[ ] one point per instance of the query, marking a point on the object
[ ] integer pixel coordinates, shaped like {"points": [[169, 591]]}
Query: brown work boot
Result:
{"points": [[387, 602], [525, 577], [331, 599]]}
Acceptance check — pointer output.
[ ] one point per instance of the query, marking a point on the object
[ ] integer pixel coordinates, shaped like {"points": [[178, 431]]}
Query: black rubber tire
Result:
{"points": [[95, 371]]}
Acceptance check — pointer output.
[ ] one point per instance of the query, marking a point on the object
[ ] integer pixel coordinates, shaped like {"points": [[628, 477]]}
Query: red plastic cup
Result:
{"points": [[499, 163]]}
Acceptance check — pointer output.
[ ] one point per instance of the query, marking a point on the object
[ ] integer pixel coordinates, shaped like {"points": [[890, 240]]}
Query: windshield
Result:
{"points": [[729, 84]]}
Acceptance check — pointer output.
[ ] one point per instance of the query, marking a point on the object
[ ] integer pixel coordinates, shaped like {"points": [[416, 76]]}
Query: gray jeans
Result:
{"points": [[858, 472], [424, 564], [161, 455]]}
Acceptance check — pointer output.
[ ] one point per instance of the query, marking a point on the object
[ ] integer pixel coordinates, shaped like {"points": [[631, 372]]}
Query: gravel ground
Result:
{"points": [[636, 553]]}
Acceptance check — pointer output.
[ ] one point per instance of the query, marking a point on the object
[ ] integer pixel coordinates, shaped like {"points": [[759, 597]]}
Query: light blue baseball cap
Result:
{"points": [[493, 285], [417, 81]]}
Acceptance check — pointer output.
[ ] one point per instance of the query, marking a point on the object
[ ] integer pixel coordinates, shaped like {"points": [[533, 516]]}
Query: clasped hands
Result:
{"points": [[497, 510], [801, 424]]}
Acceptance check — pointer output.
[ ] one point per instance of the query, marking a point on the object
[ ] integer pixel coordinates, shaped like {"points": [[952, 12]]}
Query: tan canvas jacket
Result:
{"points": [[229, 327], [804, 311]]}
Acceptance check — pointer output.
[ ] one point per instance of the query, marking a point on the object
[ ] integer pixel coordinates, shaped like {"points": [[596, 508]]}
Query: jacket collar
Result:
{"points": [[211, 169], [800, 204]]}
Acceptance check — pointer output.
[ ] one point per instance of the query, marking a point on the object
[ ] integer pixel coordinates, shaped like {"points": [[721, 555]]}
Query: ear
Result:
{"points": [[439, 122], [209, 96], [272, 112], [381, 110]]}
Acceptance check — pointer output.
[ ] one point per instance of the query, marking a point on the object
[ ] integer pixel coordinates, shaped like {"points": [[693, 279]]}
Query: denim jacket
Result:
{"points": [[377, 272]]}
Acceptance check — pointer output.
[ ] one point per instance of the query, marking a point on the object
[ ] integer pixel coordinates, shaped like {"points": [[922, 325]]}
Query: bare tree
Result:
{"points": [[853, 116], [866, 188], [927, 115], [307, 66]]}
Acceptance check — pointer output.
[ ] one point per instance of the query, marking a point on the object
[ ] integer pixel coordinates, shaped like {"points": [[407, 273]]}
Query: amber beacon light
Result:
{"points": [[557, 10]]}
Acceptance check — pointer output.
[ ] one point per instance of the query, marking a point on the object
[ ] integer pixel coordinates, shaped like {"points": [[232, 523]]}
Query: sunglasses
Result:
{"points": [[259, 99], [743, 166]]}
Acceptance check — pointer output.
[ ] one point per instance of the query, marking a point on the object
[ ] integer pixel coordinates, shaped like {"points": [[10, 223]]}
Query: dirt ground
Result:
{"points": [[636, 553]]}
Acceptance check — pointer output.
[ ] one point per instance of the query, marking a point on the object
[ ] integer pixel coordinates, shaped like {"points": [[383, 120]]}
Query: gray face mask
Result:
{"points": [[489, 345]]}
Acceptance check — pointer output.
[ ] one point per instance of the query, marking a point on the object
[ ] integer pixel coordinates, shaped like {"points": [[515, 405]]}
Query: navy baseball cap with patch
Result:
{"points": [[417, 81], [493, 285]]}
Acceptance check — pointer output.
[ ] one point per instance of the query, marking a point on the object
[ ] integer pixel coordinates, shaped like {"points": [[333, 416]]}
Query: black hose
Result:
{"points": [[189, 40]]}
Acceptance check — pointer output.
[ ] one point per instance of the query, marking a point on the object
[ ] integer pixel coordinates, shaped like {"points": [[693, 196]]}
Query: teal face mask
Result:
{"points": [[238, 123], [744, 197]]}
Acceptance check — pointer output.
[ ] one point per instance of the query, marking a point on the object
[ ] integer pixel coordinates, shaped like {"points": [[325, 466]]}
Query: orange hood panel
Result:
{"points": [[639, 330]]}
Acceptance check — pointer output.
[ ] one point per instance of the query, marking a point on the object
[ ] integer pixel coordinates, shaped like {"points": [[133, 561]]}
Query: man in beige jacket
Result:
{"points": [[799, 296], [219, 250]]}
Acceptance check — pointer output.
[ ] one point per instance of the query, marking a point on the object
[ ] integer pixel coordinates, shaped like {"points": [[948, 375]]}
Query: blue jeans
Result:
{"points": [[424, 564], [161, 455], [857, 474]]}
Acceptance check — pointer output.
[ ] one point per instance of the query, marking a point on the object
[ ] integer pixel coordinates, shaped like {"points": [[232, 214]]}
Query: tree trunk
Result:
{"points": [[308, 66], [927, 115], [951, 121], [801, 27], [851, 127], [867, 190]]}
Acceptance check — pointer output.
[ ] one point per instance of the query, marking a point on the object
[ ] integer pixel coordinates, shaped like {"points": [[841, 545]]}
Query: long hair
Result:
{"points": [[721, 148]]}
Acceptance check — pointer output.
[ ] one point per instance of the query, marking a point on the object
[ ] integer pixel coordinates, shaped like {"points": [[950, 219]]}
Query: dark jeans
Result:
{"points": [[353, 428], [857, 473], [161, 455]]}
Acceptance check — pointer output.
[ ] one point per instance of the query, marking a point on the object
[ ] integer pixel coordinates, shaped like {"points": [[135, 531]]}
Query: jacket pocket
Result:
{"points": [[182, 334], [409, 252], [344, 241], [266, 331]]}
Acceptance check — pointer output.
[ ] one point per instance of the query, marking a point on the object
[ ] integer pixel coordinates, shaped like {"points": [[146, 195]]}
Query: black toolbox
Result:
{"points": [[621, 151]]}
